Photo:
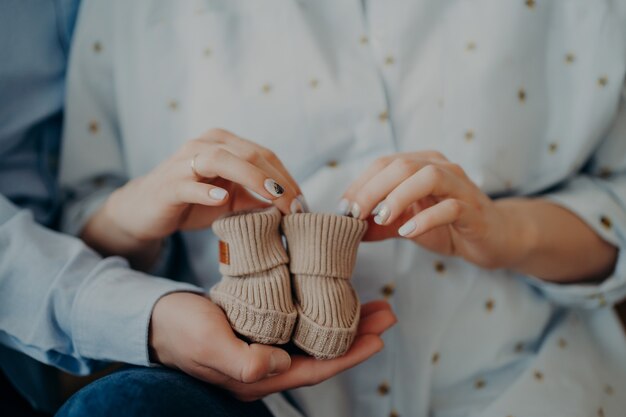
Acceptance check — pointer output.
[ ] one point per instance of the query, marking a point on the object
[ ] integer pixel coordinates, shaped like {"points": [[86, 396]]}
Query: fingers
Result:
{"points": [[346, 203], [215, 161], [277, 185], [376, 317], [376, 189], [450, 211], [199, 193], [307, 371], [268, 160], [377, 322], [431, 180], [374, 306], [403, 181], [399, 161]]}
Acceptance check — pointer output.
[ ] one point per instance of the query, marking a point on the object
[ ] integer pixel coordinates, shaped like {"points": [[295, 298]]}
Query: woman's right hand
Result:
{"points": [[206, 178], [190, 333]]}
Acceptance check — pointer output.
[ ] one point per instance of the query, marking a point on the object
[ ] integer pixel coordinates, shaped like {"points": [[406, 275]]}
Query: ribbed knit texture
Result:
{"points": [[255, 290], [253, 240], [323, 248]]}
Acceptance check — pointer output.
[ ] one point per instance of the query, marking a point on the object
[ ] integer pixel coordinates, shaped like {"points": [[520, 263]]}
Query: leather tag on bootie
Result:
{"points": [[224, 253]]}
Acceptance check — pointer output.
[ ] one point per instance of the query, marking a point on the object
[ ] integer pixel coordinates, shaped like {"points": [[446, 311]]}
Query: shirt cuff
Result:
{"points": [[111, 317], [593, 202]]}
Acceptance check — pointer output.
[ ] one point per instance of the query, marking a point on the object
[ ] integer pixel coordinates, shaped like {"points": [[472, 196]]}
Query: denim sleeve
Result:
{"points": [[63, 305], [598, 197]]}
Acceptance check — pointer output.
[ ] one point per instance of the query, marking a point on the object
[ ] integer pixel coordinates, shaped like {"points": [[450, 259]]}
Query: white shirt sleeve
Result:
{"points": [[92, 165], [598, 197]]}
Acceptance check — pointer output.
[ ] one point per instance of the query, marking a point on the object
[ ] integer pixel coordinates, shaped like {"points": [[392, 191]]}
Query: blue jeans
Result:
{"points": [[156, 392]]}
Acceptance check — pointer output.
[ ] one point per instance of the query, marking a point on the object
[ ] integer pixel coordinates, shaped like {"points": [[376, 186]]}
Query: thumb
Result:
{"points": [[251, 363]]}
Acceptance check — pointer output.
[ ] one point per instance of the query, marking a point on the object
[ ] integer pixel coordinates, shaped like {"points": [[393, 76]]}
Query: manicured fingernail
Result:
{"points": [[355, 210], [273, 187], [383, 215], [280, 361], [305, 205], [344, 207], [407, 228], [218, 193], [377, 208], [296, 206]]}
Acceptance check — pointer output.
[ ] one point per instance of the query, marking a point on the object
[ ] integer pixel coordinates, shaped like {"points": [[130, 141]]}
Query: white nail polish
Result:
{"points": [[305, 205], [296, 206], [407, 228], [383, 215], [377, 208], [273, 187], [344, 207], [355, 210], [218, 193]]}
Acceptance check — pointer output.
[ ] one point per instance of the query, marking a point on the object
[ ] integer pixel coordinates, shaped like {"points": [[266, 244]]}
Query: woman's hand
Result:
{"points": [[190, 333], [424, 197], [206, 178]]}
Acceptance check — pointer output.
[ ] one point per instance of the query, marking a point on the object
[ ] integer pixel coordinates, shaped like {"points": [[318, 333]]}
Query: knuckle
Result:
{"points": [[381, 163], [455, 207], [405, 166], [251, 156], [433, 173], [269, 155], [365, 196], [191, 146], [253, 371], [456, 168], [216, 133], [215, 153], [178, 192], [436, 155]]}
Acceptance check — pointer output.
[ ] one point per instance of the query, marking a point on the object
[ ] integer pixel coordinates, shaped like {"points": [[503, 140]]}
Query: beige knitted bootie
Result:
{"points": [[323, 248], [255, 290]]}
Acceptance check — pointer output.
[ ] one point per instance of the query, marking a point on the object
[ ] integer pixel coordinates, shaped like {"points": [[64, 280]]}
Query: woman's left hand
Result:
{"points": [[424, 197]]}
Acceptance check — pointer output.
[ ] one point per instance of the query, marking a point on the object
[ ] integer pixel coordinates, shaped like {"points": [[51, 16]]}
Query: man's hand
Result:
{"points": [[190, 333]]}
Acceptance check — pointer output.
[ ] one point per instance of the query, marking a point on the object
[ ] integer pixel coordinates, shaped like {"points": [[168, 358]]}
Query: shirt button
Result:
{"points": [[440, 267], [383, 388], [332, 163], [388, 290], [605, 172], [394, 413], [606, 222], [383, 116]]}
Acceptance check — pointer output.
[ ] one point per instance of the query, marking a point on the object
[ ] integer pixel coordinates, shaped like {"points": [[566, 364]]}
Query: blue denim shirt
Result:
{"points": [[59, 302]]}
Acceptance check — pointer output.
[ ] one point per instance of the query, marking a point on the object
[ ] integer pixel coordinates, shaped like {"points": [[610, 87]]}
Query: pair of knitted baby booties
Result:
{"points": [[256, 287]]}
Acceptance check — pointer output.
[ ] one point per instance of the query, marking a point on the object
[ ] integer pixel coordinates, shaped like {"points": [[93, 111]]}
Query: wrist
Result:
{"points": [[521, 235], [157, 331], [107, 236]]}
